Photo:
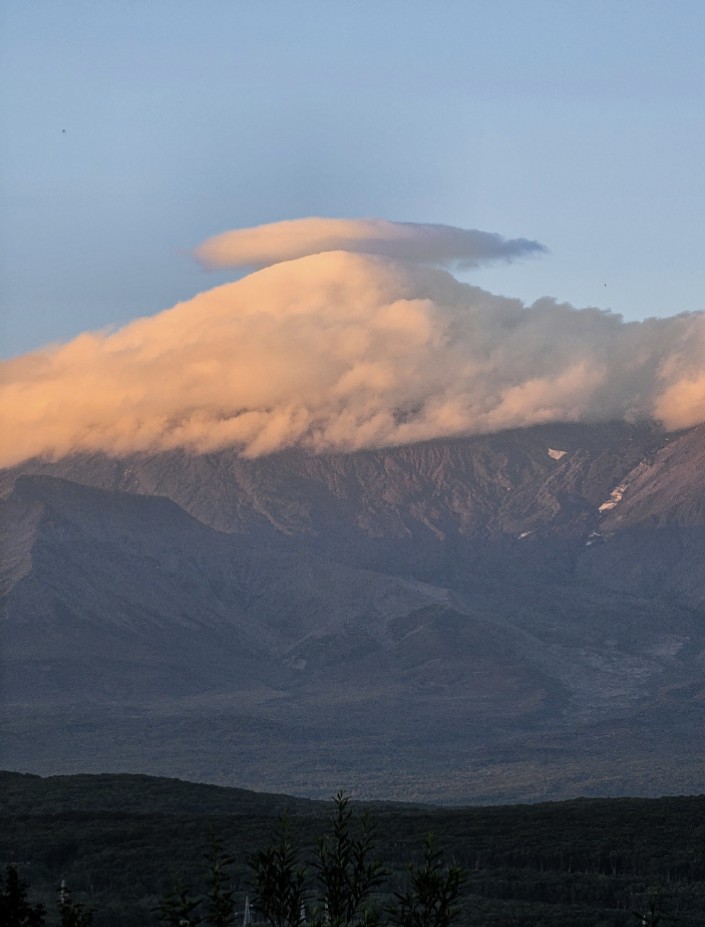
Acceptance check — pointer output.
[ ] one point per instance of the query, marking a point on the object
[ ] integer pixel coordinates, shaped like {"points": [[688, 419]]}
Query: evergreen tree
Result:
{"points": [[179, 909], [219, 897], [432, 896], [653, 916], [278, 880], [15, 908], [71, 914], [347, 872]]}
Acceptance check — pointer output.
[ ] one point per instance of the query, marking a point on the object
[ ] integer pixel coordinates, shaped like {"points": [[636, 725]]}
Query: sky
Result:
{"points": [[133, 131], [344, 225]]}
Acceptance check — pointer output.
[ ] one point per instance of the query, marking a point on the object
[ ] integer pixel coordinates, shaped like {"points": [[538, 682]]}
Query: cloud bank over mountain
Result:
{"points": [[347, 349]]}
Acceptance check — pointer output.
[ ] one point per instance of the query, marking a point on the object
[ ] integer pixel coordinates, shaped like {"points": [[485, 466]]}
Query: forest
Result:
{"points": [[123, 845]]}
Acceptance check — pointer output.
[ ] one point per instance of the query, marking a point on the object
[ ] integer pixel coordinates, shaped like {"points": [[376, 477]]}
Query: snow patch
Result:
{"points": [[614, 499]]}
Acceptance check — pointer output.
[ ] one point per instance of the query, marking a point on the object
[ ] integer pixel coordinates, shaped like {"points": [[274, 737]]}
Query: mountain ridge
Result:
{"points": [[482, 618]]}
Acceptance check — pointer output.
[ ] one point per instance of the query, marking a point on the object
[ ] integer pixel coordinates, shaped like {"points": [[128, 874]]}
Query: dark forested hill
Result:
{"points": [[121, 841]]}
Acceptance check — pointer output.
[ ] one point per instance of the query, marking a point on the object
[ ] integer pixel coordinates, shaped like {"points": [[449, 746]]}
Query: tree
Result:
{"points": [[219, 897], [347, 872], [432, 896], [70, 913], [216, 908], [15, 908], [279, 880], [653, 916], [179, 909]]}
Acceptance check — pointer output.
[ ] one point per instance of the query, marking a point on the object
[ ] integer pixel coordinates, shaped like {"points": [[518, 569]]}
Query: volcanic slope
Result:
{"points": [[516, 616]]}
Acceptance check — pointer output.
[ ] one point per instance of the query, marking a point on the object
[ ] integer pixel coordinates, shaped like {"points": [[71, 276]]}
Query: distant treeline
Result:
{"points": [[122, 843]]}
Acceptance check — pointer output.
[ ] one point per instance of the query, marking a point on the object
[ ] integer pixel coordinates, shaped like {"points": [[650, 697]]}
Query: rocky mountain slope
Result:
{"points": [[506, 617]]}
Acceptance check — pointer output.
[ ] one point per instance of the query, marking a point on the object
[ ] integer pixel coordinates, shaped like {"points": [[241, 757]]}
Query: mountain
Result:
{"points": [[508, 617]]}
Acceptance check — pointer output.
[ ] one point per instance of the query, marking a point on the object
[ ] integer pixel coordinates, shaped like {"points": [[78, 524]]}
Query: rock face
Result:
{"points": [[508, 617]]}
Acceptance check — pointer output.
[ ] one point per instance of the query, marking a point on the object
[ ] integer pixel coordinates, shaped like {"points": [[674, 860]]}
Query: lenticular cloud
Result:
{"points": [[436, 245], [340, 351]]}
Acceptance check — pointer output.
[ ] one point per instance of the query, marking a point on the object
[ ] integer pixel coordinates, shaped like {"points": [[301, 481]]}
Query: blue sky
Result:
{"points": [[132, 131]]}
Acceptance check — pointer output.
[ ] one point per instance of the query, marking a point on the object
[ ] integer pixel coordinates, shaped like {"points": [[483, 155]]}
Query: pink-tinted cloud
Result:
{"points": [[340, 351]]}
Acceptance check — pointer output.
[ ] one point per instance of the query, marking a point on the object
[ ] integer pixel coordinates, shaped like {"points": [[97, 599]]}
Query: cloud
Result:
{"points": [[437, 245], [341, 351]]}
